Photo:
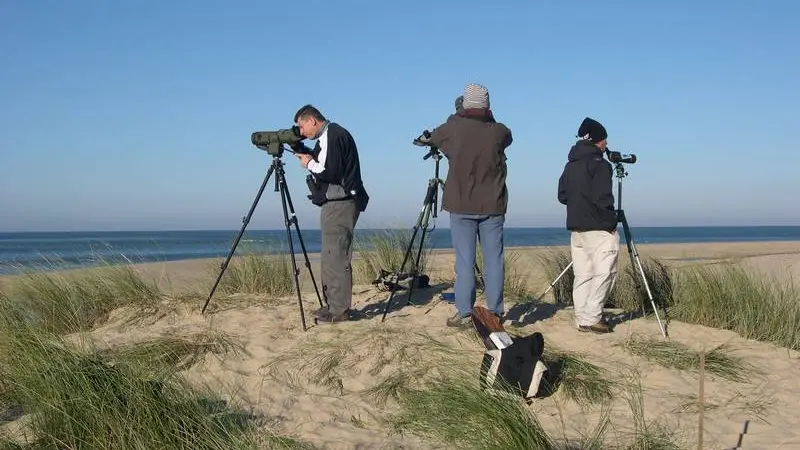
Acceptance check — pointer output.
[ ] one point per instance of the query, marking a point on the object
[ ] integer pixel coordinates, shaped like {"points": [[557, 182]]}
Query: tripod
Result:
{"points": [[634, 254], [429, 206], [289, 219]]}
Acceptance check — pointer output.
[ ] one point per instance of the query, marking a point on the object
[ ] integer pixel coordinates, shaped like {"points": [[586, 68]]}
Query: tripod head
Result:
{"points": [[424, 140]]}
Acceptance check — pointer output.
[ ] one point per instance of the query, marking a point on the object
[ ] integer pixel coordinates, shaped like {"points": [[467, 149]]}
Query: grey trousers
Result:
{"points": [[337, 221]]}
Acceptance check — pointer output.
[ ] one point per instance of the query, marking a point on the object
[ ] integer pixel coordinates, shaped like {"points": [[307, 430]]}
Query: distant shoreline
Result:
{"points": [[359, 229], [677, 251]]}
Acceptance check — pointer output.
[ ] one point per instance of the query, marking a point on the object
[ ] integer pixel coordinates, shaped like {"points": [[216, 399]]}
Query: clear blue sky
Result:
{"points": [[137, 115]]}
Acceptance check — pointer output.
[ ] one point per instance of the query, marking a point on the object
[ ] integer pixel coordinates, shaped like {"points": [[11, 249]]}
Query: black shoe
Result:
{"points": [[321, 311], [599, 328], [328, 317], [459, 321]]}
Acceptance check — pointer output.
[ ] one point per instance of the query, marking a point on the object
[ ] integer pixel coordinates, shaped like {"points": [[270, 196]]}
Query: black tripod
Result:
{"points": [[289, 218], [429, 206], [634, 254]]}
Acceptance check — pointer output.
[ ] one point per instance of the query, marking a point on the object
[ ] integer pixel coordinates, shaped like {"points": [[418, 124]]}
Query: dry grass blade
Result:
{"points": [[675, 355]]}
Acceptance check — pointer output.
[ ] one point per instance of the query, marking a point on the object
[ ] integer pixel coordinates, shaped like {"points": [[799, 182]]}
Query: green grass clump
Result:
{"points": [[628, 292], [385, 250], [259, 273], [515, 283], [171, 352], [645, 434], [553, 263], [456, 412], [66, 302], [576, 378], [729, 297], [674, 355], [81, 400]]}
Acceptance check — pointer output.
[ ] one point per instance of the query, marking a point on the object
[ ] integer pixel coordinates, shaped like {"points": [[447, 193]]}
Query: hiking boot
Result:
{"points": [[599, 328], [327, 317], [321, 311], [459, 321]]}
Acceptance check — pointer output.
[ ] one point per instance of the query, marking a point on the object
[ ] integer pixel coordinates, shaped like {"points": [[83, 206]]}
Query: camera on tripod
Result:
{"points": [[272, 141], [617, 157]]}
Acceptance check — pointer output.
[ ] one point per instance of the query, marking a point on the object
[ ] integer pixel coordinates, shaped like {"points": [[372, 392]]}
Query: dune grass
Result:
{"points": [[628, 293], [644, 434], [80, 399], [515, 282], [172, 352], [385, 250], [729, 297], [70, 301], [453, 410], [725, 296], [576, 378], [255, 272], [674, 355], [72, 395]]}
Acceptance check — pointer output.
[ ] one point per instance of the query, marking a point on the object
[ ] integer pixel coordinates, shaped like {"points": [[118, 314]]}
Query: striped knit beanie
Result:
{"points": [[475, 96]]}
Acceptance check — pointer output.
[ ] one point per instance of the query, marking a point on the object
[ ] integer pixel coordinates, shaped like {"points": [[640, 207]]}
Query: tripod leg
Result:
{"points": [[539, 298], [480, 282], [287, 222], [293, 219], [424, 224], [245, 222], [421, 220], [638, 263]]}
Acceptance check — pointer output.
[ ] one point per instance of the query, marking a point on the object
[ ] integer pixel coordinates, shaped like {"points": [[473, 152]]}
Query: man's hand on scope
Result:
{"points": [[304, 158], [424, 139]]}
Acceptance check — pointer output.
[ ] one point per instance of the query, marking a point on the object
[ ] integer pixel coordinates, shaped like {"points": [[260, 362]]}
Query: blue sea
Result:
{"points": [[83, 249]]}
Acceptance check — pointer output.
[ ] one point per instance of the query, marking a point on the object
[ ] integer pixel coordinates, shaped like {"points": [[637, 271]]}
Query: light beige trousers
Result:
{"points": [[595, 255]]}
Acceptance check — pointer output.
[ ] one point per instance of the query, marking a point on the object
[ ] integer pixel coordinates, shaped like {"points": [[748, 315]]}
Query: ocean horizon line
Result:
{"points": [[236, 230]]}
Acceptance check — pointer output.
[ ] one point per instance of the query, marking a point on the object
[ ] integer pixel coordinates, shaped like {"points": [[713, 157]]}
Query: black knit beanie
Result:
{"points": [[595, 130]]}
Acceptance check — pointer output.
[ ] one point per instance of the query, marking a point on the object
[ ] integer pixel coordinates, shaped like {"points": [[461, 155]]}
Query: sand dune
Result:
{"points": [[324, 384]]}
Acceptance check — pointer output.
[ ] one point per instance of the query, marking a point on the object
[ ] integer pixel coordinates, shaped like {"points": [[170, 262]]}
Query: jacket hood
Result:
{"points": [[582, 150]]}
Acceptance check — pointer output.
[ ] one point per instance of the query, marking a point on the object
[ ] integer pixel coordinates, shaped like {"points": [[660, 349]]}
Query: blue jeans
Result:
{"points": [[464, 230]]}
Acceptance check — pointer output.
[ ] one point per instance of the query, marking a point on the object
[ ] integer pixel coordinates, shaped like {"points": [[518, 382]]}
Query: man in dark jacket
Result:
{"points": [[337, 188], [476, 197], [585, 188]]}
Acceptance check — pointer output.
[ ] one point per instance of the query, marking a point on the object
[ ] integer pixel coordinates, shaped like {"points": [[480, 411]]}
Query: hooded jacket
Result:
{"points": [[585, 188], [474, 144]]}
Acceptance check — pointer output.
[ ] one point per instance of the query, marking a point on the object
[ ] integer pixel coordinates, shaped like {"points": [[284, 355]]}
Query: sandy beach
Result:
{"points": [[279, 371]]}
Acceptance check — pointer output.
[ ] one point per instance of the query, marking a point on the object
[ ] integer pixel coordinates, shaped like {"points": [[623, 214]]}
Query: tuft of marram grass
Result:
{"points": [[172, 352], [76, 399], [729, 297], [385, 250], [628, 292], [259, 273], [645, 434], [66, 302], [674, 355], [576, 378], [553, 262], [455, 411], [515, 283]]}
